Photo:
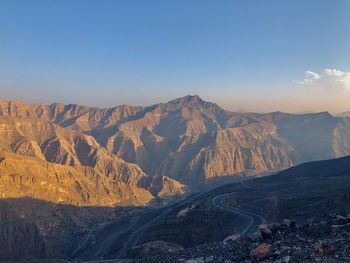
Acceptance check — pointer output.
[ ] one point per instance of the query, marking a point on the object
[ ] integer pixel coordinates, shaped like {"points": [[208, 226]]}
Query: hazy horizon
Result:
{"points": [[242, 110], [276, 56]]}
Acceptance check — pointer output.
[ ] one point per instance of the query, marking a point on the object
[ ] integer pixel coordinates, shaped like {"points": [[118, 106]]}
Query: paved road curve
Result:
{"points": [[136, 236], [219, 201], [254, 219], [140, 232]]}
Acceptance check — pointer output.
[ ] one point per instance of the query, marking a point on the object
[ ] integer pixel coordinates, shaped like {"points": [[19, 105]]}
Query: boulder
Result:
{"points": [[274, 227], [262, 252], [209, 259], [232, 238], [195, 260], [324, 248], [290, 224], [265, 231], [255, 237], [286, 259]]}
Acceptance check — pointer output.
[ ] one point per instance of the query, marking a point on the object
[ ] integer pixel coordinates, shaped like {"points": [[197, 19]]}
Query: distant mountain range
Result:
{"points": [[168, 148], [64, 167], [344, 114]]}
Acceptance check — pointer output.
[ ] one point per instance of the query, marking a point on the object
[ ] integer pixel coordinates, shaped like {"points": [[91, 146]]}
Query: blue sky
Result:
{"points": [[245, 54]]}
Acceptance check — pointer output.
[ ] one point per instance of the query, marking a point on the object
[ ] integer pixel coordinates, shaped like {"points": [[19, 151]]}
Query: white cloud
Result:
{"points": [[327, 79], [312, 75]]}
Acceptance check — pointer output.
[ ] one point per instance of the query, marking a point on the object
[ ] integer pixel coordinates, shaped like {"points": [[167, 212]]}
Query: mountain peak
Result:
{"points": [[193, 101], [189, 99]]}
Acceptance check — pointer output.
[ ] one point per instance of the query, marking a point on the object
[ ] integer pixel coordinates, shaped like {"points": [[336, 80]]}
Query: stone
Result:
{"points": [[286, 259], [265, 231], [195, 260], [255, 237], [232, 238], [320, 228], [276, 253], [209, 259], [274, 227], [262, 252], [277, 243], [290, 224], [324, 248]]}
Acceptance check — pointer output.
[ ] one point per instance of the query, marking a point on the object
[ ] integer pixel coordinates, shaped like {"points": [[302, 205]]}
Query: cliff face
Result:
{"points": [[49, 145], [29, 177], [32, 228], [18, 237]]}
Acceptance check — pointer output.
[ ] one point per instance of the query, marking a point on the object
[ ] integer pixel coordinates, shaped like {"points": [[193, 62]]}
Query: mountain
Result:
{"points": [[344, 114], [195, 142], [23, 176], [49, 144], [66, 168]]}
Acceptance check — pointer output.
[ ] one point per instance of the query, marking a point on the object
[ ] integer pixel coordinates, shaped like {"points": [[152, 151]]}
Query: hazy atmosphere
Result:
{"points": [[284, 55]]}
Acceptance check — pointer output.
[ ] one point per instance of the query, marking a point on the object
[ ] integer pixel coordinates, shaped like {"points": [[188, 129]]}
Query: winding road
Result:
{"points": [[136, 236], [108, 234], [219, 201], [254, 219]]}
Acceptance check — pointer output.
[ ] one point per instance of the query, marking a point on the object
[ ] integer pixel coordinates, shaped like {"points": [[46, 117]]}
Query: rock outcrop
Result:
{"points": [[285, 245]]}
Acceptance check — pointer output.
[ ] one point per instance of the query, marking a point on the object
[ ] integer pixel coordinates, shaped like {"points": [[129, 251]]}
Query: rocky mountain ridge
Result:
{"points": [[192, 141], [78, 152]]}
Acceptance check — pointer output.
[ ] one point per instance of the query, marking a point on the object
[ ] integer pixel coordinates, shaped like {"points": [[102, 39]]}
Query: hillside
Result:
{"points": [[305, 209], [51, 143]]}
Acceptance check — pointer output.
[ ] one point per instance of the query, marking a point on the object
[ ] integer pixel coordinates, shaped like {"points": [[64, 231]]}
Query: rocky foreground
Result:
{"points": [[326, 240]]}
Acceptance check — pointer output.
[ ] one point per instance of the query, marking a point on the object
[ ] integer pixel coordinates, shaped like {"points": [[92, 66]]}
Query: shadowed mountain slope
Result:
{"points": [[307, 193]]}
